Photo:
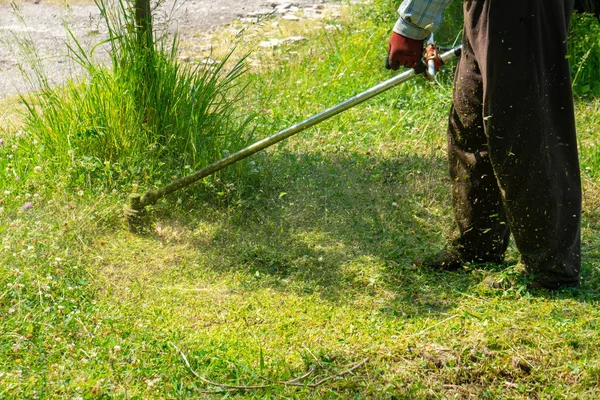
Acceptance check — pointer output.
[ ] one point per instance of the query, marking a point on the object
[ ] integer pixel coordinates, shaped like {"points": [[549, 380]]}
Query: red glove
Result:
{"points": [[403, 51]]}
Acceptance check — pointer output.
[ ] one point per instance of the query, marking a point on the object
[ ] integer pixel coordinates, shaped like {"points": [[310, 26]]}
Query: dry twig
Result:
{"points": [[203, 379], [292, 382]]}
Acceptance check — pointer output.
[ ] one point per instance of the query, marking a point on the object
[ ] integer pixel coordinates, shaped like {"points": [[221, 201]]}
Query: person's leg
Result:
{"points": [[477, 201], [521, 46]]}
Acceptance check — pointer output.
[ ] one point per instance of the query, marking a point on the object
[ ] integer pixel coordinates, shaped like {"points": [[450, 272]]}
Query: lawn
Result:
{"points": [[289, 276]]}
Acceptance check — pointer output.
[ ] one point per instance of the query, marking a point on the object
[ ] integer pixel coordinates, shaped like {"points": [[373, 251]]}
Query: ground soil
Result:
{"points": [[43, 24]]}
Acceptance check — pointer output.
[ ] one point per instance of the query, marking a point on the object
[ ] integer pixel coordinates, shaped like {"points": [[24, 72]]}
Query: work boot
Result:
{"points": [[451, 259]]}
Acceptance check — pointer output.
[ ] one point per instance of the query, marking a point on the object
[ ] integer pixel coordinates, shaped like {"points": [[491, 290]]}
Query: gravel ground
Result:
{"points": [[44, 26]]}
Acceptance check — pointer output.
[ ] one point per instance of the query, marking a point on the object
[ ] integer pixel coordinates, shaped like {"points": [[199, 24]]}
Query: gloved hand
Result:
{"points": [[403, 51]]}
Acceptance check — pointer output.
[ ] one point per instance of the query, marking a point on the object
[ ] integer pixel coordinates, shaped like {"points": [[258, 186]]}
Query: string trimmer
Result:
{"points": [[137, 203]]}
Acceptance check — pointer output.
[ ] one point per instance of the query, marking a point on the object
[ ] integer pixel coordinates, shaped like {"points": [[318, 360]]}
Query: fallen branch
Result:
{"points": [[433, 326], [292, 382], [346, 372], [209, 382]]}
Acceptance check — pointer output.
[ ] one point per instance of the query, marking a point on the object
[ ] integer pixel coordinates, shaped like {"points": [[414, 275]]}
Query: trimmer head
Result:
{"points": [[134, 213]]}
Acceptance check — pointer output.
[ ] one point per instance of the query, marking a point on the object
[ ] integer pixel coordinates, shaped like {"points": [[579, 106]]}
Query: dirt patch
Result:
{"points": [[43, 25]]}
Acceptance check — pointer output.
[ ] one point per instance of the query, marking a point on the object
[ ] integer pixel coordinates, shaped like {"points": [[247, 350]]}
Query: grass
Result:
{"points": [[300, 264], [585, 54]]}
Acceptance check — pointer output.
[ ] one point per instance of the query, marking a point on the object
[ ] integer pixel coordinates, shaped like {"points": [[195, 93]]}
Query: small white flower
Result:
{"points": [[80, 193], [37, 168]]}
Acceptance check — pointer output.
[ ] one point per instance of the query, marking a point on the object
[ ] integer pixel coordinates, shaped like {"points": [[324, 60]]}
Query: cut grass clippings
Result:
{"points": [[299, 270]]}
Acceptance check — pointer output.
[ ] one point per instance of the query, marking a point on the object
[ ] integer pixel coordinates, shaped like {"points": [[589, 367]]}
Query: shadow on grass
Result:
{"points": [[339, 225], [343, 226]]}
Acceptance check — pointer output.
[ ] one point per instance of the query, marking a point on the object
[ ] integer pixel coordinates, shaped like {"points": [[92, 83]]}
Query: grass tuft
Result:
{"points": [[145, 117]]}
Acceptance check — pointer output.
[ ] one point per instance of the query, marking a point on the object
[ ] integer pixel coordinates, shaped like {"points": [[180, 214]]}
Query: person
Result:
{"points": [[512, 149]]}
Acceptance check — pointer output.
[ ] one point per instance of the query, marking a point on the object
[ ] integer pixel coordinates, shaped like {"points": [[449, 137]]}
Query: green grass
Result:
{"points": [[585, 54], [301, 263]]}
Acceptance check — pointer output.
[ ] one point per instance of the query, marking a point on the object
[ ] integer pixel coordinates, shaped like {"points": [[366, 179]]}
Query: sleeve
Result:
{"points": [[418, 18]]}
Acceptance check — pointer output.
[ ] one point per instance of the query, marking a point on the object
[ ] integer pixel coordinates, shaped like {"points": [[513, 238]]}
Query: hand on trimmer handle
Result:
{"points": [[407, 52], [403, 51]]}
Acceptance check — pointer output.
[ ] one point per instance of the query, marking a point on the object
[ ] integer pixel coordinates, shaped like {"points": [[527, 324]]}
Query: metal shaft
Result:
{"points": [[431, 63], [152, 196]]}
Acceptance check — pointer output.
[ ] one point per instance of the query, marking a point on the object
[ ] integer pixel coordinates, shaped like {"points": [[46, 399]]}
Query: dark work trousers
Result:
{"points": [[512, 147]]}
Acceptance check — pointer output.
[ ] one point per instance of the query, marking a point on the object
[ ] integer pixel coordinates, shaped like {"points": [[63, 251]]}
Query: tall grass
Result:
{"points": [[585, 54], [143, 117]]}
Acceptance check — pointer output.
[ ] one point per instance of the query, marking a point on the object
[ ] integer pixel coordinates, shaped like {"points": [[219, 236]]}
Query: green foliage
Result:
{"points": [[144, 118], [585, 54]]}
